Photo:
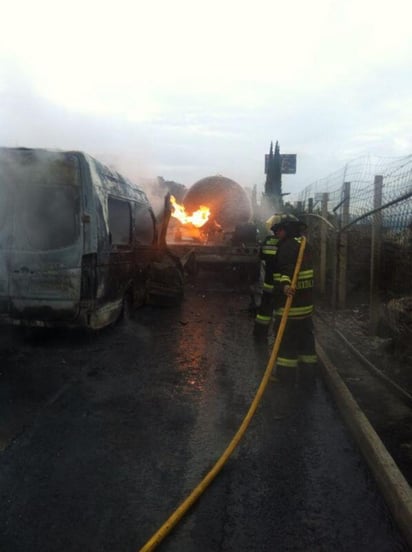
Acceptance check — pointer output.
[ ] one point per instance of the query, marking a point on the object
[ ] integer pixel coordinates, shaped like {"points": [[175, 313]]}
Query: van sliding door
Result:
{"points": [[120, 261]]}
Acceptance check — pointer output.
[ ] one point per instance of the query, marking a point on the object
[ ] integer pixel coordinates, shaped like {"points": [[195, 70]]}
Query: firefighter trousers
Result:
{"points": [[298, 344], [264, 314]]}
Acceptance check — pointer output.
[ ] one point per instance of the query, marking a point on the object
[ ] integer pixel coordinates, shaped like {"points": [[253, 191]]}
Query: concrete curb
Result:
{"points": [[392, 484]]}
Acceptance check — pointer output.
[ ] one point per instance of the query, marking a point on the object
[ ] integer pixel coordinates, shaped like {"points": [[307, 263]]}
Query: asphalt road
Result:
{"points": [[104, 435]]}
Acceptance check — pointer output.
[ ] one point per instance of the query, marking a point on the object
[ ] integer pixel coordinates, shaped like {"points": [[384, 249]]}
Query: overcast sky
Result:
{"points": [[186, 89]]}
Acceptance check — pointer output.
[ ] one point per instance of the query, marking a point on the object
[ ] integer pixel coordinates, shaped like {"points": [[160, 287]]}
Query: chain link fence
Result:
{"points": [[360, 225]]}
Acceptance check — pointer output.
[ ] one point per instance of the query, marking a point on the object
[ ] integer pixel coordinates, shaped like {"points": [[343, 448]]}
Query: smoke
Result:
{"points": [[29, 120]]}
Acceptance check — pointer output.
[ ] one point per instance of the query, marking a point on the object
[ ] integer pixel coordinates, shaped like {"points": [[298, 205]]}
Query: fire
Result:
{"points": [[198, 218]]}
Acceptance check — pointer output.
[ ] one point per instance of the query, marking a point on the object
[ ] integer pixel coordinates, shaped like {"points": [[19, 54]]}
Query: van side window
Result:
{"points": [[120, 220], [144, 226]]}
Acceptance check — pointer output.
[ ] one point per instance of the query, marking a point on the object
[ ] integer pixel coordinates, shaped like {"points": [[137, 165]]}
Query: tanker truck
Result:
{"points": [[226, 240]]}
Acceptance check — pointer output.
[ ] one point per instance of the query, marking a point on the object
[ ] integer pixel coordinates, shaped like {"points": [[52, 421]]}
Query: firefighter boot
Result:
{"points": [[286, 375], [260, 332], [307, 376], [285, 396]]}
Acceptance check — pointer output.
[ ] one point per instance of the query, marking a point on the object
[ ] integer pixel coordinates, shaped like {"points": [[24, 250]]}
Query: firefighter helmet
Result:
{"points": [[274, 219], [290, 223]]}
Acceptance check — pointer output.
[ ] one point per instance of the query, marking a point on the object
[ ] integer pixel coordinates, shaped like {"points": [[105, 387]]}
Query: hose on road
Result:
{"points": [[165, 529]]}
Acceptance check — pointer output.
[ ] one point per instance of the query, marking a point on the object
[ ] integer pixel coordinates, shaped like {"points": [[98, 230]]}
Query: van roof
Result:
{"points": [[107, 172]]}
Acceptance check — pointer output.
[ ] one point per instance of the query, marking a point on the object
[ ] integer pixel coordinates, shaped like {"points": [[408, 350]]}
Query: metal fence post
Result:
{"points": [[376, 245], [323, 243], [343, 247]]}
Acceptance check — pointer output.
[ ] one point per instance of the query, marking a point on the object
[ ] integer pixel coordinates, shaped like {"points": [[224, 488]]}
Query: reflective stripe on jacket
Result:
{"points": [[268, 248], [287, 255]]}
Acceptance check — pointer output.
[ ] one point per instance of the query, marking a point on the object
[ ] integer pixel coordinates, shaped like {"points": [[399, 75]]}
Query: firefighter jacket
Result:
{"points": [[268, 255], [264, 312], [287, 254]]}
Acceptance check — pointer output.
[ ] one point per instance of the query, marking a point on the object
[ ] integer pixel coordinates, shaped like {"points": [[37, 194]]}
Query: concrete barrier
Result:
{"points": [[392, 484]]}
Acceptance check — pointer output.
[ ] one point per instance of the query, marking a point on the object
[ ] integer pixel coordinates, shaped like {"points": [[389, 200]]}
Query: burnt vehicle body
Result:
{"points": [[76, 240]]}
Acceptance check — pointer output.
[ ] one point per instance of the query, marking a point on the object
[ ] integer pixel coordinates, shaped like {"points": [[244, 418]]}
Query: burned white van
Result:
{"points": [[76, 239]]}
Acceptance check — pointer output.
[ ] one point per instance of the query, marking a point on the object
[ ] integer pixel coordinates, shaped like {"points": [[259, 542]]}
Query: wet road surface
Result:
{"points": [[105, 435]]}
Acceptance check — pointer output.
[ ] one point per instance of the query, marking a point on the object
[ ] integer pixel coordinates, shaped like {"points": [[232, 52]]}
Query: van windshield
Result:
{"points": [[46, 201]]}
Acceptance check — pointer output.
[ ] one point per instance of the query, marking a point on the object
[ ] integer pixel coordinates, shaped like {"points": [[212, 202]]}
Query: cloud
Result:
{"points": [[187, 89]]}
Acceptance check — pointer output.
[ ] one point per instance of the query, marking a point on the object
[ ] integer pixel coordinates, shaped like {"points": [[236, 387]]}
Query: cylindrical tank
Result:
{"points": [[228, 202]]}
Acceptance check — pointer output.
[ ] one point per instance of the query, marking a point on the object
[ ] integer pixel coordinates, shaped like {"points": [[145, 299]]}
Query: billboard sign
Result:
{"points": [[288, 163]]}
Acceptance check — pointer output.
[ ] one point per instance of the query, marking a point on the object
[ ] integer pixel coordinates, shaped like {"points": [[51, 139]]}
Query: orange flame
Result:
{"points": [[198, 218]]}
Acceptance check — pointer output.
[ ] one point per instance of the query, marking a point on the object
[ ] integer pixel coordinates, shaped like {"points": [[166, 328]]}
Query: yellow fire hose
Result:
{"points": [[165, 529]]}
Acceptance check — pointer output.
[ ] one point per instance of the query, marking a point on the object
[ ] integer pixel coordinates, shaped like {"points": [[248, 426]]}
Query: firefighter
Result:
{"points": [[298, 344], [265, 307]]}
